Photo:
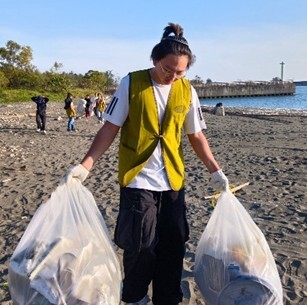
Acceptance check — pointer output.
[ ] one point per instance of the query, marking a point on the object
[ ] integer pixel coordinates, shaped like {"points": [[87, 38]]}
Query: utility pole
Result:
{"points": [[282, 71]]}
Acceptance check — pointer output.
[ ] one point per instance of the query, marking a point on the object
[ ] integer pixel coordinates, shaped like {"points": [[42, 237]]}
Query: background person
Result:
{"points": [[87, 106], [150, 107], [100, 107], [41, 107], [92, 107], [70, 111]]}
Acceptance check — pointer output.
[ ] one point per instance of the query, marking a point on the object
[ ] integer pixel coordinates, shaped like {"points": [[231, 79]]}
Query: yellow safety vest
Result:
{"points": [[141, 131]]}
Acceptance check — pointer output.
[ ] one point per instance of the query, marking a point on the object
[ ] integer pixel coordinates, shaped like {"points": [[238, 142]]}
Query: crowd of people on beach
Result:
{"points": [[87, 107]]}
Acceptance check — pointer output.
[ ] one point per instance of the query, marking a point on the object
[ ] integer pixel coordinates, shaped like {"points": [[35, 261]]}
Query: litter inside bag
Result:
{"points": [[233, 263], [81, 106], [66, 255]]}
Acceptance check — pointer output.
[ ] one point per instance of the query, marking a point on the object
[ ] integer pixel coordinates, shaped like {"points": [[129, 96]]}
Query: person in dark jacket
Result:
{"points": [[41, 106], [87, 106]]}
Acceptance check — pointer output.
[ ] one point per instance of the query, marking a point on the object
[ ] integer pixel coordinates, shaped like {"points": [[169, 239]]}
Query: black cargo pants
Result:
{"points": [[41, 119], [152, 229]]}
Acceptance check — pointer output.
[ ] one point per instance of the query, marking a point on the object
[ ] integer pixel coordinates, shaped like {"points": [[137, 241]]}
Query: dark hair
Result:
{"points": [[172, 42]]}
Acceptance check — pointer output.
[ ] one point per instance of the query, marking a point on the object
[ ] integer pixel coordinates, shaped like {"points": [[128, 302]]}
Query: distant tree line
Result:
{"points": [[18, 72], [198, 81]]}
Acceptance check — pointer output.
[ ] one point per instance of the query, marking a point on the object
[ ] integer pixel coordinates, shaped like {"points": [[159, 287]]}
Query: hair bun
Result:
{"points": [[174, 32], [173, 28]]}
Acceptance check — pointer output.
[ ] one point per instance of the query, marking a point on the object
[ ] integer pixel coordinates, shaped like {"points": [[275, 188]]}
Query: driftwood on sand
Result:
{"points": [[233, 190]]}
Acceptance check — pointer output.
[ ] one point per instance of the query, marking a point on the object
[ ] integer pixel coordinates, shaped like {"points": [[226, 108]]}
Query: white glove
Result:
{"points": [[77, 171], [219, 181]]}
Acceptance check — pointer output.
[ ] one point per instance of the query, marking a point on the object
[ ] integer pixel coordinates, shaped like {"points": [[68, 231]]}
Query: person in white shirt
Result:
{"points": [[150, 108], [92, 106]]}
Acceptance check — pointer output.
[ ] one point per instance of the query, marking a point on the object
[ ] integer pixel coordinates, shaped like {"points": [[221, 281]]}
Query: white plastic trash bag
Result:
{"points": [[81, 106], [233, 263], [66, 255]]}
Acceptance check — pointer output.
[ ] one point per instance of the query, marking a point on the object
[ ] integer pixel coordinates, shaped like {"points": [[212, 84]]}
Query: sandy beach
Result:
{"points": [[268, 150]]}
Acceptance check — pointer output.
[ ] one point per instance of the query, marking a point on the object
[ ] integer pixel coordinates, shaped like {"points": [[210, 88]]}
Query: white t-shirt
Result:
{"points": [[153, 175]]}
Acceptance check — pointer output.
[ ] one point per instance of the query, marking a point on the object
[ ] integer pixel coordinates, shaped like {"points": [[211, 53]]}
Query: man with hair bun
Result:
{"points": [[150, 108]]}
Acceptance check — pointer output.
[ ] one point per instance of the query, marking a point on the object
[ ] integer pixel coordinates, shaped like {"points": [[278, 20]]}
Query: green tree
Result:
{"points": [[55, 81], [22, 79], [17, 72], [99, 81], [56, 67], [112, 81], [3, 80], [15, 63], [16, 56], [196, 81], [94, 80]]}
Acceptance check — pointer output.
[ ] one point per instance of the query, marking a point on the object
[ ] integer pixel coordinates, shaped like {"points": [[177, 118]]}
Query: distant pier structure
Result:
{"points": [[244, 89]]}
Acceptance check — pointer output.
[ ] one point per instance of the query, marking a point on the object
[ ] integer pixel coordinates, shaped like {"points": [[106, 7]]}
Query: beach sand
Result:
{"points": [[268, 151]]}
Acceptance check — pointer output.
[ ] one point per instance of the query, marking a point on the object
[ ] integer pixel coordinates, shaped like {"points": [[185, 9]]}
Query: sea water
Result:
{"points": [[297, 101]]}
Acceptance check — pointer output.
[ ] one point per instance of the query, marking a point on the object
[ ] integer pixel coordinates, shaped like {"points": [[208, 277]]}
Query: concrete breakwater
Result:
{"points": [[244, 89], [258, 112]]}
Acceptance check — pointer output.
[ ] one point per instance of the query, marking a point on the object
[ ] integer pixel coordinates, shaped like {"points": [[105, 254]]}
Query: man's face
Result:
{"points": [[171, 68]]}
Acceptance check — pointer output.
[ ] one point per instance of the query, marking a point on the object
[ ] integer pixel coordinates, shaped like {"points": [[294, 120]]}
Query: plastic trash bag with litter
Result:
{"points": [[233, 263], [66, 255], [81, 106]]}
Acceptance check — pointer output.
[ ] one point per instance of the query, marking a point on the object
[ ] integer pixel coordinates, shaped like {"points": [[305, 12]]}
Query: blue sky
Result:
{"points": [[232, 40]]}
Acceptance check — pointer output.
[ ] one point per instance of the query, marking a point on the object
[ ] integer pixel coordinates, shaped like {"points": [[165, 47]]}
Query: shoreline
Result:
{"points": [[243, 111]]}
